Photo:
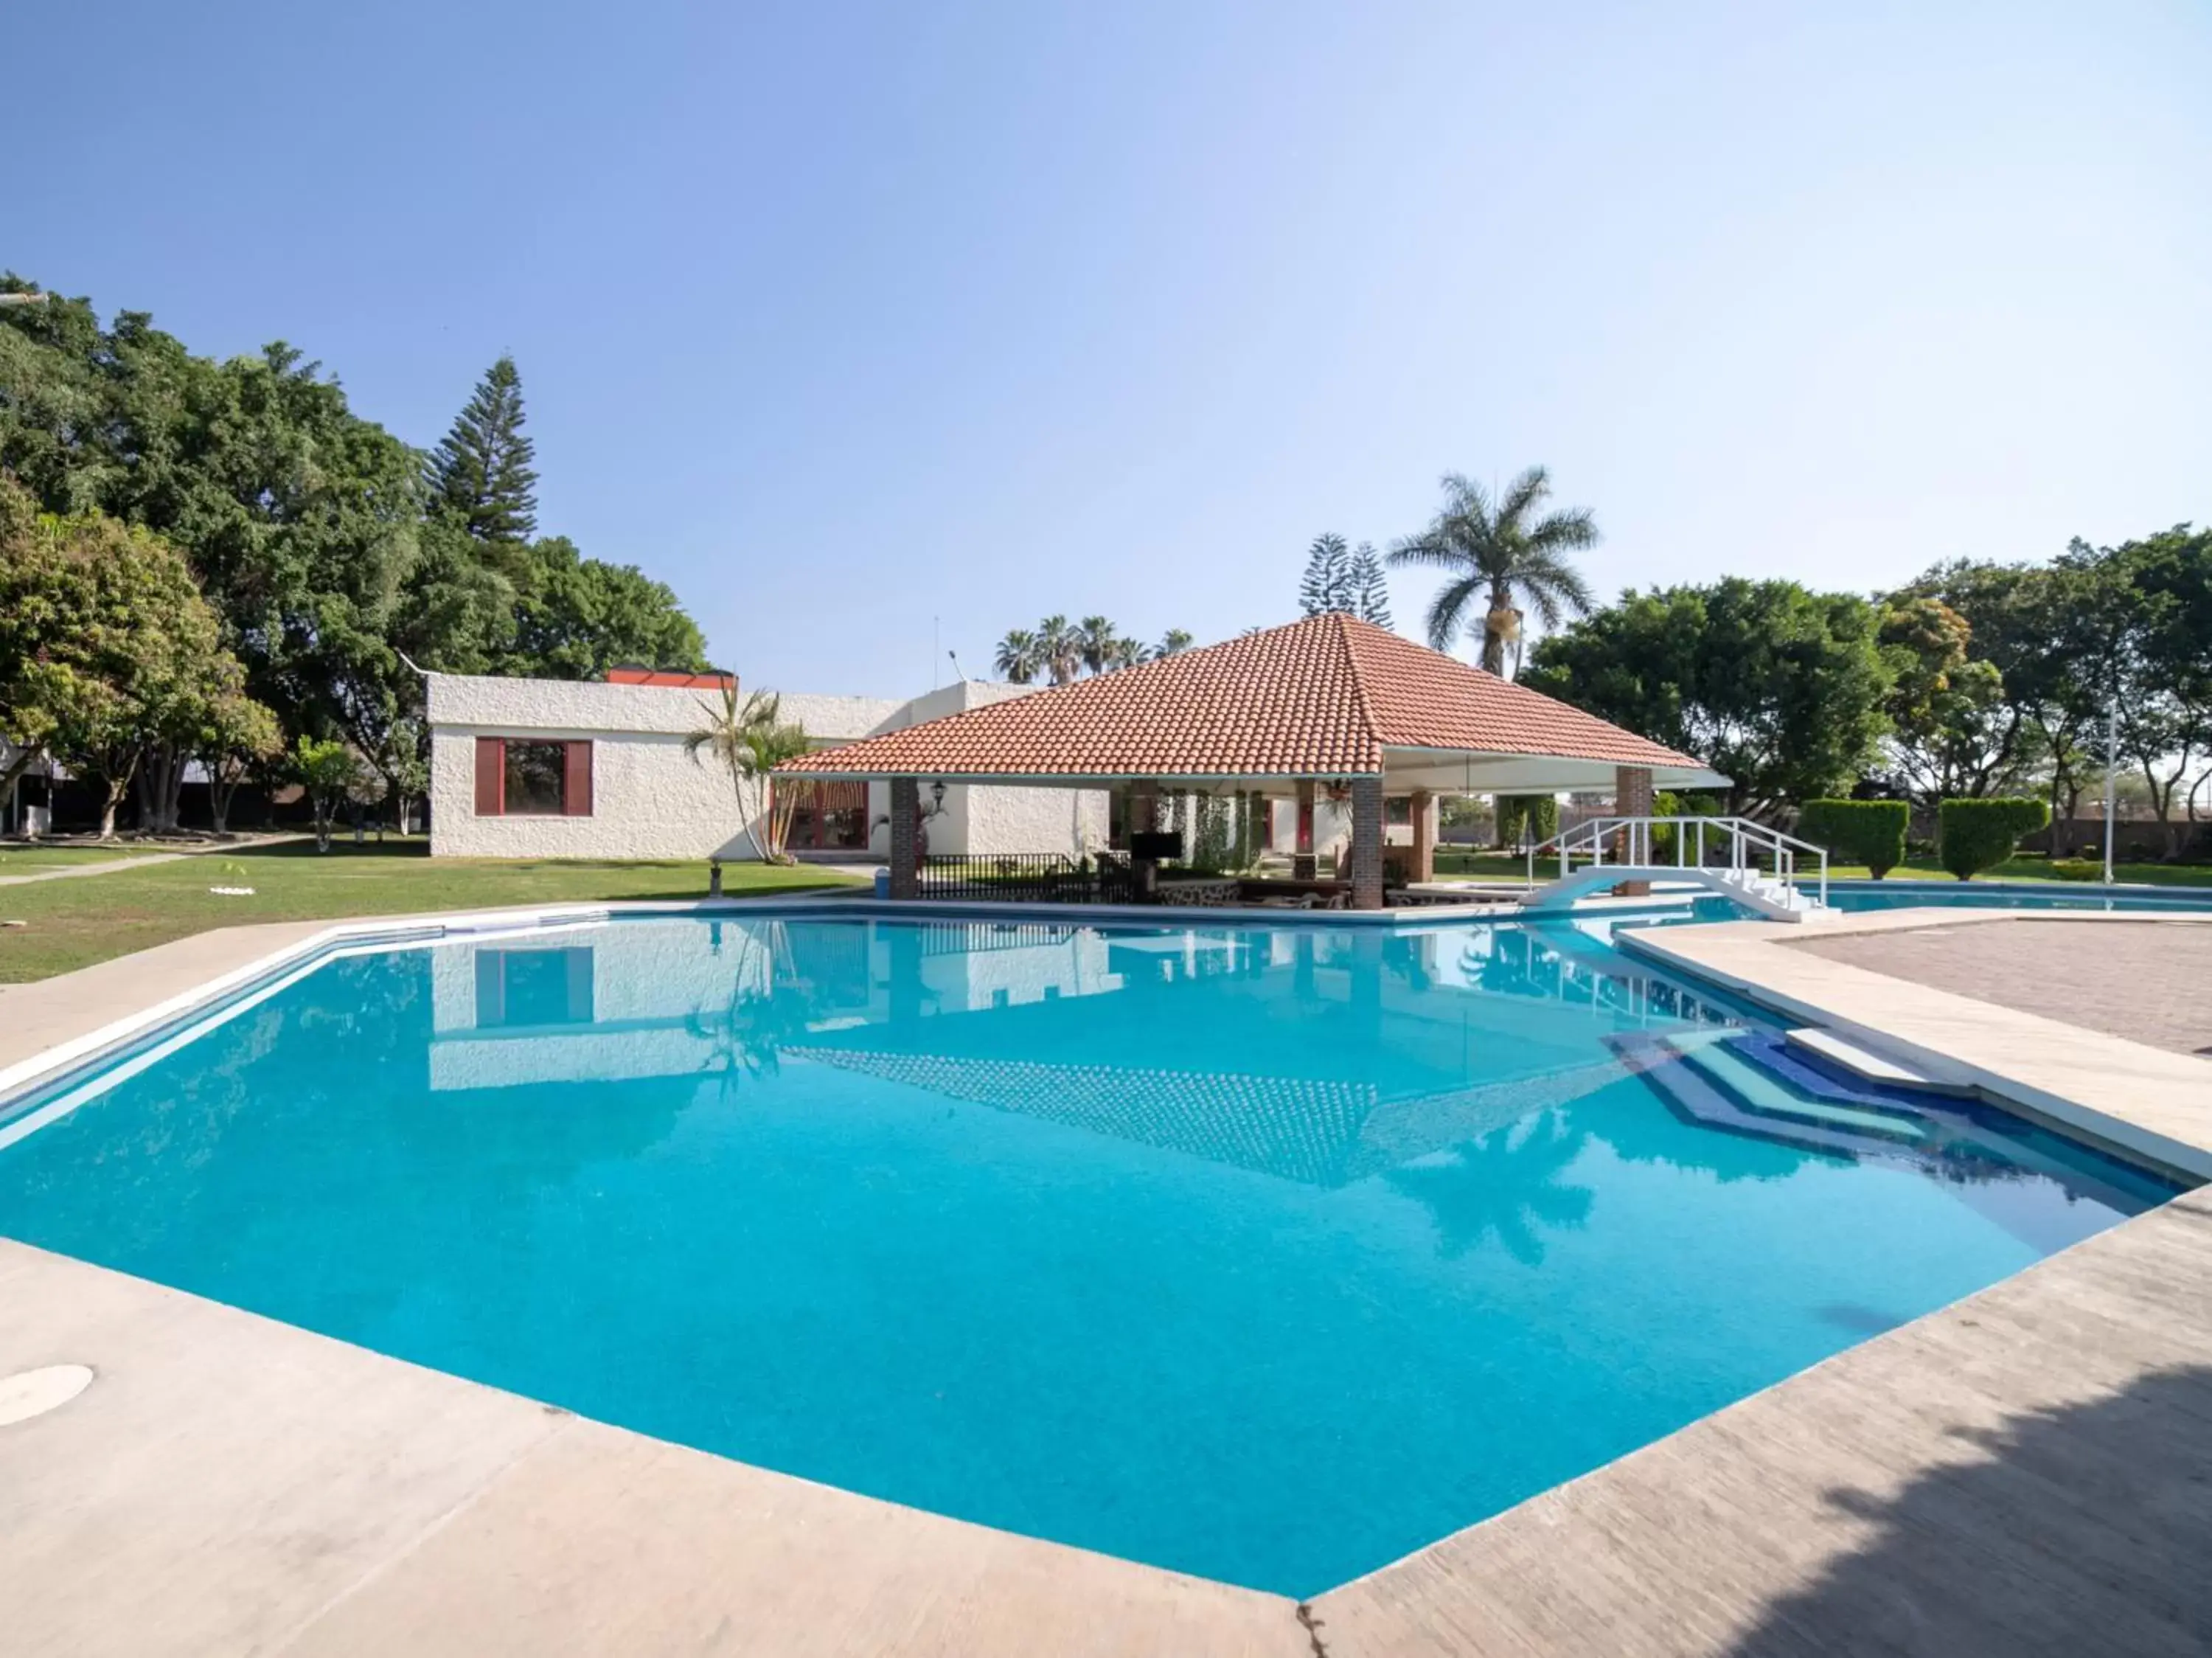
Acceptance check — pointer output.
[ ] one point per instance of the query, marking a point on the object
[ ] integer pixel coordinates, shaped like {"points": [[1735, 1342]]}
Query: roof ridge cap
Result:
{"points": [[1362, 701]]}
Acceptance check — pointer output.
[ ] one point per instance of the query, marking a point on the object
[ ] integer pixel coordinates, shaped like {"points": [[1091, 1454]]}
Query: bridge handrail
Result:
{"points": [[1740, 835]]}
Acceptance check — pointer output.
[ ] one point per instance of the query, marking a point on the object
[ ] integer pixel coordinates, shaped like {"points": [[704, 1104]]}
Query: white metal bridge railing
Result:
{"points": [[1740, 847]]}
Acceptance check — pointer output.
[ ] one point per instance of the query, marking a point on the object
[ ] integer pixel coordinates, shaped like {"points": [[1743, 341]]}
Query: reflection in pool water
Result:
{"points": [[1263, 1253]]}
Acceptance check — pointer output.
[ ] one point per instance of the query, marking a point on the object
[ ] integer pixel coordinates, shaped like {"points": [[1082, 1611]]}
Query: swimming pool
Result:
{"points": [[1854, 895], [1267, 1252]]}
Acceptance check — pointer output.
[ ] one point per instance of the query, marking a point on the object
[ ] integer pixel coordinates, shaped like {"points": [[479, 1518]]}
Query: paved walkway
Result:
{"points": [[2148, 981], [123, 861]]}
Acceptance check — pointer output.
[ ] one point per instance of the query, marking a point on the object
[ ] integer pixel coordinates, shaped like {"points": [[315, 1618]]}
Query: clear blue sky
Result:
{"points": [[840, 317]]}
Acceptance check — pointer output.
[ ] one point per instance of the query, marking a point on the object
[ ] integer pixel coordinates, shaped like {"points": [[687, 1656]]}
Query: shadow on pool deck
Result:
{"points": [[2074, 1512]]}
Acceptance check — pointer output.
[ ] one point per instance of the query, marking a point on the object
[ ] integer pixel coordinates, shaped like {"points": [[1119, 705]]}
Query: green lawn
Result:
{"points": [[24, 860], [73, 924]]}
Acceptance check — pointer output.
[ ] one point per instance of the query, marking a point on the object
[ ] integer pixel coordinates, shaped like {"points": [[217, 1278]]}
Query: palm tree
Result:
{"points": [[1019, 658], [751, 739], [1099, 642], [1173, 640], [1059, 648], [1492, 550]]}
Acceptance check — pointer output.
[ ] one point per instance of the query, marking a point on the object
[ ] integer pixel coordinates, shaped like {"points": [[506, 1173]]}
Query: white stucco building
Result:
{"points": [[593, 769]]}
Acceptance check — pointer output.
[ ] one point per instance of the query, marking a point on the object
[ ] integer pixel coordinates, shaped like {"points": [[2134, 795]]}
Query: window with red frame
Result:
{"points": [[533, 776]]}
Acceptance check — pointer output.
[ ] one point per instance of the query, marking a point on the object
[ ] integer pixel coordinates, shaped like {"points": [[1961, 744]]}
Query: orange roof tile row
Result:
{"points": [[1322, 698]]}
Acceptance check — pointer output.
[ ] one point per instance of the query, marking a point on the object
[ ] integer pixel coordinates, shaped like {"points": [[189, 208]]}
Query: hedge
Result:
{"points": [[1868, 831], [1667, 805], [1538, 814], [1974, 835]]}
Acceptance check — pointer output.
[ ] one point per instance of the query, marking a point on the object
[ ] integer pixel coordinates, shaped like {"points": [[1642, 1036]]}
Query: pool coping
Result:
{"points": [[1446, 1598]]}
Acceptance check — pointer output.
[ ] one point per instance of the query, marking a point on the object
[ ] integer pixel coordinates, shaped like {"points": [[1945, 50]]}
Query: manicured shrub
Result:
{"points": [[2078, 868], [1535, 816], [1868, 831], [1666, 804], [1974, 835]]}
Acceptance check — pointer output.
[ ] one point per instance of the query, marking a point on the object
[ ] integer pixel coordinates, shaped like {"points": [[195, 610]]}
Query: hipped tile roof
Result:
{"points": [[1320, 697]]}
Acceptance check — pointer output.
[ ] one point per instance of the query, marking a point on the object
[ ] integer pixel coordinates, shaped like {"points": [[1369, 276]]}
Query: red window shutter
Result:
{"points": [[576, 786], [491, 776]]}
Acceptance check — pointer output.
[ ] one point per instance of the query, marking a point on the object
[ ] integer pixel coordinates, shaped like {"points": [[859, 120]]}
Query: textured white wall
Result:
{"points": [[1069, 820], [650, 800]]}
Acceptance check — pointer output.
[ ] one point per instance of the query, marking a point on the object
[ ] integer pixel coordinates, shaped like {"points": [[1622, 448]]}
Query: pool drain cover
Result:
{"points": [[30, 1393]]}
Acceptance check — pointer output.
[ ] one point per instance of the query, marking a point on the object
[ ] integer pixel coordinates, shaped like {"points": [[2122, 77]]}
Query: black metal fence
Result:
{"points": [[1020, 877]]}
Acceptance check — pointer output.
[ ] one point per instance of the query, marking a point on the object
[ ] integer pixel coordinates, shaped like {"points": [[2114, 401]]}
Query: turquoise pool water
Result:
{"points": [[2001, 895], [1265, 1253]]}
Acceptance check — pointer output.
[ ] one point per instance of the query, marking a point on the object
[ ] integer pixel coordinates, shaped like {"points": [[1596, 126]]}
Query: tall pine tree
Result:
{"points": [[480, 478], [1324, 587], [1367, 594]]}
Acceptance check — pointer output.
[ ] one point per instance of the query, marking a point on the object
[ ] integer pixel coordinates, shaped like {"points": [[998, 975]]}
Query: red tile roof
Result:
{"points": [[1322, 698], [679, 679]]}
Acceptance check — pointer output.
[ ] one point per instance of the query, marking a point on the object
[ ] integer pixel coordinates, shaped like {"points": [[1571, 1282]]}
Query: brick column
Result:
{"points": [[906, 859], [1367, 842], [1631, 798], [1302, 866], [1423, 811]]}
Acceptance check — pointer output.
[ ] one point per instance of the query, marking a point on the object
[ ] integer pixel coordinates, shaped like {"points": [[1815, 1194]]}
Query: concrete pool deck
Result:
{"points": [[2027, 1471]]}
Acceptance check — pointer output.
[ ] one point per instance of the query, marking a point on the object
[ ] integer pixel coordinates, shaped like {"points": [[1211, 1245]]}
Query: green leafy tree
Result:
{"points": [[1527, 819], [750, 739], [298, 519], [1784, 689], [2164, 678], [332, 776], [54, 401], [578, 617], [107, 648], [1503, 555], [481, 476], [1951, 730], [2051, 631], [235, 736]]}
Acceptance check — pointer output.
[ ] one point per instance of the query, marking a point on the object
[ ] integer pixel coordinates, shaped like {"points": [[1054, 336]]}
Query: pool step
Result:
{"points": [[1692, 1093], [1871, 1066], [1746, 1072]]}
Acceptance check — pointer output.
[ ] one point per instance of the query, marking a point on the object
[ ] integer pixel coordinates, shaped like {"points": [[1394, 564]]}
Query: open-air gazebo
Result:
{"points": [[1327, 703]]}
